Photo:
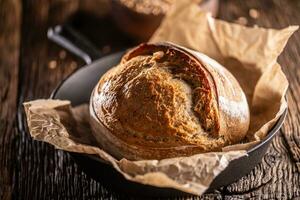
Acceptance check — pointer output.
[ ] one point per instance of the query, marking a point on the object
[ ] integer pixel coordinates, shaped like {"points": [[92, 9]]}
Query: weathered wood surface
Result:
{"points": [[31, 67], [9, 57]]}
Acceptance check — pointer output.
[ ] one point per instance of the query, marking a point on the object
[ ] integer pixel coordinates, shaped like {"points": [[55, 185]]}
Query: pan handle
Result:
{"points": [[74, 42]]}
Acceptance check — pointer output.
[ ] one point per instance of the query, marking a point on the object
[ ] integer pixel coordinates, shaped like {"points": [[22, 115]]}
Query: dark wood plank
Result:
{"points": [[277, 176], [46, 173], [9, 56]]}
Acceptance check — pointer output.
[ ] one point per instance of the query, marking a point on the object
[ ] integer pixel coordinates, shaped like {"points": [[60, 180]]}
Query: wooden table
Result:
{"points": [[31, 66]]}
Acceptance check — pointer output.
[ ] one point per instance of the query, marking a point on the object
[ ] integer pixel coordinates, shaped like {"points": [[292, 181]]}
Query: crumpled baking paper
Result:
{"points": [[251, 56]]}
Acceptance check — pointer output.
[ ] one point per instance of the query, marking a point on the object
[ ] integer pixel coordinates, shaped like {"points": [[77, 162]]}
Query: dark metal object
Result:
{"points": [[73, 41], [85, 79]]}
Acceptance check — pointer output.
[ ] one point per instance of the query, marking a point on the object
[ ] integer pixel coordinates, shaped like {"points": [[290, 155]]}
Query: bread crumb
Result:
{"points": [[73, 65], [242, 21], [253, 13], [52, 64]]}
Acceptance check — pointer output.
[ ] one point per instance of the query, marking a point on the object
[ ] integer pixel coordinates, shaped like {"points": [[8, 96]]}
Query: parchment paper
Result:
{"points": [[249, 53]]}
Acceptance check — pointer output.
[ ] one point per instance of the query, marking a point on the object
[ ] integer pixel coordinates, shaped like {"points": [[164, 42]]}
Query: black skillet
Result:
{"points": [[78, 87]]}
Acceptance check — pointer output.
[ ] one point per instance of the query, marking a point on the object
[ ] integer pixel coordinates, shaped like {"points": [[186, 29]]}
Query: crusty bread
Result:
{"points": [[163, 101]]}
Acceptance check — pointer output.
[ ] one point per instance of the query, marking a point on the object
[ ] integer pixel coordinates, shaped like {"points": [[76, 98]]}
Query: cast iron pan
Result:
{"points": [[78, 87]]}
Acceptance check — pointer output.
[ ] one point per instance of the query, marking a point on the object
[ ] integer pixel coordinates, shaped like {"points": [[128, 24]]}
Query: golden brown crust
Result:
{"points": [[184, 66], [163, 101]]}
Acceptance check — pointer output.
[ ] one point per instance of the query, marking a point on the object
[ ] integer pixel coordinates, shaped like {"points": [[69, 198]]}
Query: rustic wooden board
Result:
{"points": [[9, 56], [278, 176], [34, 170]]}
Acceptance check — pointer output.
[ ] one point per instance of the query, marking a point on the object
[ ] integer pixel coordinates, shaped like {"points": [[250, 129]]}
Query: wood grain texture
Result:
{"points": [[278, 176], [35, 170], [10, 13]]}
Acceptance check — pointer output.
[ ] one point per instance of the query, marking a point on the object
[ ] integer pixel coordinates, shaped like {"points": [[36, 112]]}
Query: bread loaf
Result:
{"points": [[163, 101]]}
